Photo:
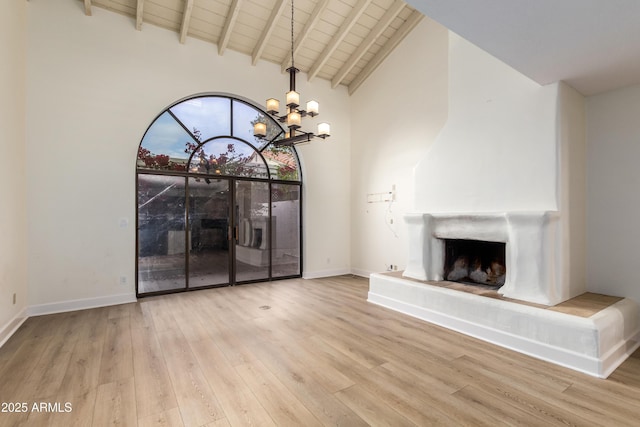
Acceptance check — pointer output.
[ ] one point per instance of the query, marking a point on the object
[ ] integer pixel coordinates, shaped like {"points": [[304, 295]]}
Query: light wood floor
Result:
{"points": [[295, 352]]}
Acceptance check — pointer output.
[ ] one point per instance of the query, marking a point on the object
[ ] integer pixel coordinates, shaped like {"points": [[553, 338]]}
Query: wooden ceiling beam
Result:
{"points": [[305, 35], [186, 19], [139, 13], [346, 26], [229, 23], [371, 38], [391, 44], [308, 27], [276, 12]]}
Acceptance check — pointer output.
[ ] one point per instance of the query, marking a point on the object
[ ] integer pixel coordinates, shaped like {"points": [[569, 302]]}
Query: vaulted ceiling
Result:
{"points": [[594, 45], [342, 41]]}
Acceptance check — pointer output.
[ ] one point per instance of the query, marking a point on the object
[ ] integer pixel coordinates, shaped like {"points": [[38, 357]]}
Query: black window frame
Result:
{"points": [[186, 173]]}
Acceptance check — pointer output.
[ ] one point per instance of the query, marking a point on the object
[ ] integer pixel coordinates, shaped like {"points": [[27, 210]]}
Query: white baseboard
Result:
{"points": [[367, 273], [80, 304], [326, 273], [360, 272], [9, 329]]}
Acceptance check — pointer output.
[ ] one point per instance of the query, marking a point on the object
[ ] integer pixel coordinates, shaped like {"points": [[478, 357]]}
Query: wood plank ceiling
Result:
{"points": [[342, 41]]}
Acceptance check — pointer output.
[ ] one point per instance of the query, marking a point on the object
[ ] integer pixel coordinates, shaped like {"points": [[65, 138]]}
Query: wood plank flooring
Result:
{"points": [[288, 353]]}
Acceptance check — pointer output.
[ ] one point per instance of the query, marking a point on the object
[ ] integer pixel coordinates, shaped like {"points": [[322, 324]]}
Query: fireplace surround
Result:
{"points": [[534, 272]]}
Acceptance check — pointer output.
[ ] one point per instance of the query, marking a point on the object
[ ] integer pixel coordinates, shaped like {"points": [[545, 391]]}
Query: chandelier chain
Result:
{"points": [[292, 64], [294, 113]]}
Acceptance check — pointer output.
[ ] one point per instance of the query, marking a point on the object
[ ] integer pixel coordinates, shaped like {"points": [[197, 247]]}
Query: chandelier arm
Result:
{"points": [[294, 113]]}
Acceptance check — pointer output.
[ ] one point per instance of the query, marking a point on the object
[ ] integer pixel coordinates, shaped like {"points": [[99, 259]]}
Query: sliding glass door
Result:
{"points": [[228, 246], [252, 248], [161, 233], [209, 225], [286, 230], [189, 236]]}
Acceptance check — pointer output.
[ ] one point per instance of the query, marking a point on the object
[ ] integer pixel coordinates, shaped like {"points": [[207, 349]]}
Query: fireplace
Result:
{"points": [[531, 259], [475, 262], [542, 240], [508, 167]]}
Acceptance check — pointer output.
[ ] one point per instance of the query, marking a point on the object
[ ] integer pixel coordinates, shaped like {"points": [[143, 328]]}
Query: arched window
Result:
{"points": [[216, 205]]}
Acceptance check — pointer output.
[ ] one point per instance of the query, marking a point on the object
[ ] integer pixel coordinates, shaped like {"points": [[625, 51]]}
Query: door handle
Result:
{"points": [[236, 233]]}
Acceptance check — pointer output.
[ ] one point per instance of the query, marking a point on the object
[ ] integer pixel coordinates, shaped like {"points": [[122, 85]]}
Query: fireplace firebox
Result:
{"points": [[475, 262]]}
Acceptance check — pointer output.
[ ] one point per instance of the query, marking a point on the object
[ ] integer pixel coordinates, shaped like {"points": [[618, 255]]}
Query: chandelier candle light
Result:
{"points": [[294, 115]]}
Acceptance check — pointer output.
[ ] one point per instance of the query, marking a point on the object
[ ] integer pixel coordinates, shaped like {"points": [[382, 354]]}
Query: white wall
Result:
{"points": [[94, 85], [613, 200], [396, 115], [13, 273], [572, 154], [327, 184], [497, 152]]}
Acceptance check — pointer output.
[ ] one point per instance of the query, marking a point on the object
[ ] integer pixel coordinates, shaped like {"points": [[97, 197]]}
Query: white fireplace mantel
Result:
{"points": [[533, 257]]}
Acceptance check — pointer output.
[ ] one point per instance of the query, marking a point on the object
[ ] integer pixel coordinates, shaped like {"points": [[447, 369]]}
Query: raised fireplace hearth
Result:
{"points": [[595, 345], [526, 245]]}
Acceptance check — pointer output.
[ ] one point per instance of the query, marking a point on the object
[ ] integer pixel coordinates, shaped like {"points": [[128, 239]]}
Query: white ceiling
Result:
{"points": [[594, 45], [342, 41]]}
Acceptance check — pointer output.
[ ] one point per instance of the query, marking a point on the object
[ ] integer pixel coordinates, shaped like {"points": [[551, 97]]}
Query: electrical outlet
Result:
{"points": [[123, 280]]}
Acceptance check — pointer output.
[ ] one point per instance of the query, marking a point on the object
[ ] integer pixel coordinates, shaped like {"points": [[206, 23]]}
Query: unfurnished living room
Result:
{"points": [[319, 212]]}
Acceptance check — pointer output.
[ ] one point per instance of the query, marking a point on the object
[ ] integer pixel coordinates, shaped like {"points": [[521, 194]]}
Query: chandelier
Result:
{"points": [[294, 115]]}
